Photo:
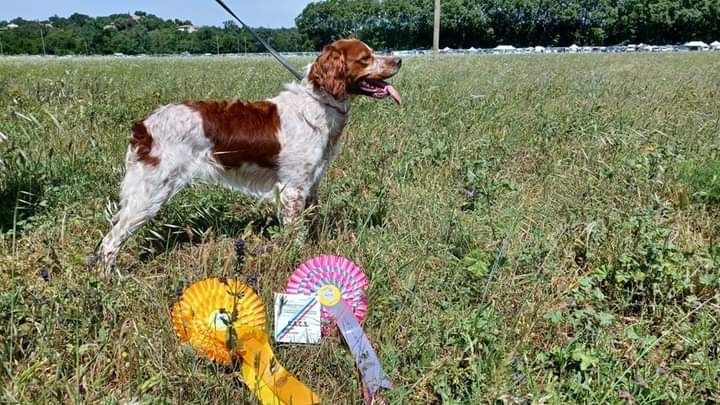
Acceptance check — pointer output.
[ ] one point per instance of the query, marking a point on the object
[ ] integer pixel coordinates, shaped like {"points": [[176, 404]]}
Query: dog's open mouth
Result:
{"points": [[378, 88]]}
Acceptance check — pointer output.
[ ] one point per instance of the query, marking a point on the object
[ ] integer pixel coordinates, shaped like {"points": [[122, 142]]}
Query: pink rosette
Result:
{"points": [[338, 271]]}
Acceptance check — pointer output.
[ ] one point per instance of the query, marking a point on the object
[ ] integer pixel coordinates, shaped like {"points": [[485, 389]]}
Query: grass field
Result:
{"points": [[535, 229]]}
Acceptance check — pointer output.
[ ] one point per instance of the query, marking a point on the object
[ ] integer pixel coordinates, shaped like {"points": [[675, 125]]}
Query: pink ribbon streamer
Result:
{"points": [[365, 357]]}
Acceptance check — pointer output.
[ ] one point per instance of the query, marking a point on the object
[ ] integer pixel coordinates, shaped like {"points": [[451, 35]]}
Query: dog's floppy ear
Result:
{"points": [[329, 72]]}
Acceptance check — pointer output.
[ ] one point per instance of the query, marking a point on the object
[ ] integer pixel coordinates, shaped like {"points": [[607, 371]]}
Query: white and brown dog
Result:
{"points": [[283, 144]]}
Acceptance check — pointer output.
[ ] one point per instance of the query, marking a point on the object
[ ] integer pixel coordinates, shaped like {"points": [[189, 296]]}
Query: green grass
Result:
{"points": [[536, 228]]}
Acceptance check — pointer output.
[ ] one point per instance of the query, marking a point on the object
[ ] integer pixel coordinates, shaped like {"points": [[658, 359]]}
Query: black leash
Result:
{"points": [[273, 52]]}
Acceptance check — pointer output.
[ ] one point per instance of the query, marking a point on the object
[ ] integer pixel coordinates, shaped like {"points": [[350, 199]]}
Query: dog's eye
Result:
{"points": [[365, 60]]}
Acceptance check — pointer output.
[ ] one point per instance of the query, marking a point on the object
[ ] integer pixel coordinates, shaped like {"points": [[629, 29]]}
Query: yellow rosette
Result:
{"points": [[224, 321]]}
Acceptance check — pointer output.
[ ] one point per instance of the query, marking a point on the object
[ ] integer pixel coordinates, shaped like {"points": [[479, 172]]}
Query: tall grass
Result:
{"points": [[536, 228]]}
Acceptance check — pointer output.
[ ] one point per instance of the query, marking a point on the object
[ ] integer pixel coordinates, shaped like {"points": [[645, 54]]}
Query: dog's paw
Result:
{"points": [[102, 266], [92, 262]]}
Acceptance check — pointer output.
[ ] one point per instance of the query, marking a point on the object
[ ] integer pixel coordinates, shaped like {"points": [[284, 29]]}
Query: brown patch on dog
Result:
{"points": [[142, 141], [241, 132]]}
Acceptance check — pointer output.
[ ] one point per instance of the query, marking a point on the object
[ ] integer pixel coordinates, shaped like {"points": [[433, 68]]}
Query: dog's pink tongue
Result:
{"points": [[393, 93]]}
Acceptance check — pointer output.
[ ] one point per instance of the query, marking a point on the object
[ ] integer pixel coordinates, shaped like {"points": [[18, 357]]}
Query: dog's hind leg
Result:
{"points": [[143, 192]]}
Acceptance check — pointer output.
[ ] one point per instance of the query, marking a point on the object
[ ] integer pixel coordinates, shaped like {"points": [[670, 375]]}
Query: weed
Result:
{"points": [[704, 179]]}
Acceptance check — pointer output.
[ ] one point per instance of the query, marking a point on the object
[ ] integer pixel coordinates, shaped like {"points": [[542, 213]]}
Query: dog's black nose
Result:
{"points": [[398, 62]]}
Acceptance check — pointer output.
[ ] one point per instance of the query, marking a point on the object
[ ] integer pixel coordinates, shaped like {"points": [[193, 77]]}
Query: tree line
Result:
{"points": [[394, 24], [408, 24], [137, 33]]}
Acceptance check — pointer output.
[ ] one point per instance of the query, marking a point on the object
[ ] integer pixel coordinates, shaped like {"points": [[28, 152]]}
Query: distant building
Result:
{"points": [[109, 27], [504, 49], [11, 26], [696, 46], [187, 28]]}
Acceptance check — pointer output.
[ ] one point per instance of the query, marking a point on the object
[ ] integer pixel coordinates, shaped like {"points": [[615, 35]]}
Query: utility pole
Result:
{"points": [[436, 28], [42, 38]]}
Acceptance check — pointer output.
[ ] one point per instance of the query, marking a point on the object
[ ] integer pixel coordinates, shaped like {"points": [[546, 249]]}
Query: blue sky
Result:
{"points": [[267, 13]]}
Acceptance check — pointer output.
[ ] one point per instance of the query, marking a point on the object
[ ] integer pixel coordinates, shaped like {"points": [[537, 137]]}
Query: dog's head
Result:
{"points": [[350, 67]]}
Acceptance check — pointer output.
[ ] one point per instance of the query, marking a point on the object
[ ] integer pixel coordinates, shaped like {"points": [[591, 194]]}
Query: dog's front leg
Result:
{"points": [[293, 201]]}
